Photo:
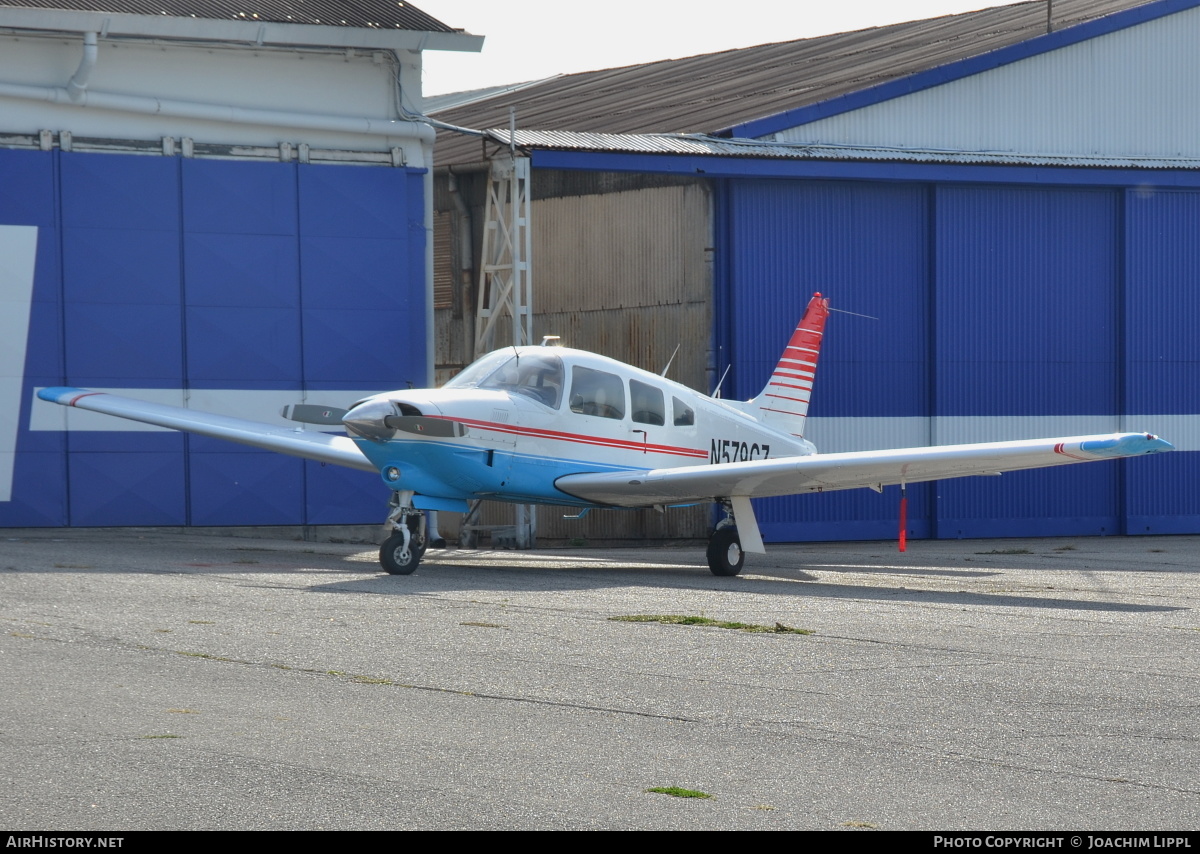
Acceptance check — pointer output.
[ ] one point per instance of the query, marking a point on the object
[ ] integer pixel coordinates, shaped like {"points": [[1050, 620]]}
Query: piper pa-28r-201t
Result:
{"points": [[551, 425]]}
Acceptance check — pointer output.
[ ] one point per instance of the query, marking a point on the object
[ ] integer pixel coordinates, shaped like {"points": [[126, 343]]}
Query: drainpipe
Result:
{"points": [[430, 330], [78, 84], [433, 537]]}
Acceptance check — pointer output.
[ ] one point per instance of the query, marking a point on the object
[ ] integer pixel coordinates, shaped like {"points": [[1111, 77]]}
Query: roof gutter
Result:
{"points": [[256, 33]]}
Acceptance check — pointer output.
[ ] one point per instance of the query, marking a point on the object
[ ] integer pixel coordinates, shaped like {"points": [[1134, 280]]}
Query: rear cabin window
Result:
{"points": [[684, 417], [646, 404], [597, 393]]}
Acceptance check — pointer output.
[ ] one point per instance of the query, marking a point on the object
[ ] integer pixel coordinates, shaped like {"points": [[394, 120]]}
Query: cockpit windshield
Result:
{"points": [[535, 375], [479, 370]]}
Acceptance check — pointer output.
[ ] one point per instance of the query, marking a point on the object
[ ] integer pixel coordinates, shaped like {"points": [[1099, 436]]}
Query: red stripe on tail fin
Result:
{"points": [[800, 355]]}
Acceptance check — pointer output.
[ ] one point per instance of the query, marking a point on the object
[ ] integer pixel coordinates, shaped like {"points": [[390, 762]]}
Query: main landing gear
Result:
{"points": [[405, 546], [725, 555]]}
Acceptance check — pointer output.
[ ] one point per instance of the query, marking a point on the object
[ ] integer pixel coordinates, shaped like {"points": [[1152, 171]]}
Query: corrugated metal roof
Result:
{"points": [[367, 14], [710, 92], [651, 143], [440, 103]]}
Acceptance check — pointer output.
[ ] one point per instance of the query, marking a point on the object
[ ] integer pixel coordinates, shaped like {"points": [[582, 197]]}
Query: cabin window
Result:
{"points": [[646, 404], [535, 375], [597, 393], [684, 417]]}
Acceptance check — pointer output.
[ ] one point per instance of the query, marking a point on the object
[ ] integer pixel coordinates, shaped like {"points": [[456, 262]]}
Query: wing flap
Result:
{"points": [[828, 472], [338, 450]]}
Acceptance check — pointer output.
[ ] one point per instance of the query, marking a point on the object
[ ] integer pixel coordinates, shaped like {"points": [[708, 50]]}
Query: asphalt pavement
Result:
{"points": [[154, 680]]}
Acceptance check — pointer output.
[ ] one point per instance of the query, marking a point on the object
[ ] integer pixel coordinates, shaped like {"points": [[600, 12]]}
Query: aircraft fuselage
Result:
{"points": [[518, 419]]}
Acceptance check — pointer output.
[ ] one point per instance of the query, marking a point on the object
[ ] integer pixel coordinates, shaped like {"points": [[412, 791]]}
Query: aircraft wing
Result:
{"points": [[827, 472], [339, 450]]}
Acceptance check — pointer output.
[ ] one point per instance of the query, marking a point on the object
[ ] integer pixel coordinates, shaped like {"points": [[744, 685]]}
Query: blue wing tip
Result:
{"points": [[1129, 445], [1158, 444], [56, 394]]}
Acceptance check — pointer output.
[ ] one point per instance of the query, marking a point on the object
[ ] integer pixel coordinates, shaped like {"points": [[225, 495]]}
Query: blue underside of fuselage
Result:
{"points": [[455, 471]]}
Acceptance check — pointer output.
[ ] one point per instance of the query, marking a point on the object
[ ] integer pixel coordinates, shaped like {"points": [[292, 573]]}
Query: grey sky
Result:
{"points": [[531, 39]]}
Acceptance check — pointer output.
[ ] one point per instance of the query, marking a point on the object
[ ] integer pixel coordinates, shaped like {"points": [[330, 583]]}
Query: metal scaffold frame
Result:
{"points": [[505, 291], [504, 274]]}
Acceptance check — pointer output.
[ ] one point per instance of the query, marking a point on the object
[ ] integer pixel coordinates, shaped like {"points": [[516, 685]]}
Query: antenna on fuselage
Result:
{"points": [[854, 313], [669, 361], [717, 391]]}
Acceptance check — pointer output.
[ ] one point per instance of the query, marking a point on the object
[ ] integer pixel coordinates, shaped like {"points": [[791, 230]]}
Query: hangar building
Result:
{"points": [[1012, 199], [212, 204]]}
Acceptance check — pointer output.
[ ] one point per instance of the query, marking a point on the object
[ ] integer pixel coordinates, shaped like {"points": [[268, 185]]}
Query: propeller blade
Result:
{"points": [[440, 428], [310, 413]]}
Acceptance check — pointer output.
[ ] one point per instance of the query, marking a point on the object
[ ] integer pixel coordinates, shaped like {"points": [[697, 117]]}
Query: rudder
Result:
{"points": [[783, 402]]}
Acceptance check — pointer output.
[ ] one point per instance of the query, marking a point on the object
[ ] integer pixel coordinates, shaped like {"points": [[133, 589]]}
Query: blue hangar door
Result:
{"points": [[1003, 311], [214, 277]]}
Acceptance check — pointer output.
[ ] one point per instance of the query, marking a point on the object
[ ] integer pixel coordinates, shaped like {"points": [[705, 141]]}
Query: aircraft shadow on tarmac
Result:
{"points": [[323, 569], [522, 573]]}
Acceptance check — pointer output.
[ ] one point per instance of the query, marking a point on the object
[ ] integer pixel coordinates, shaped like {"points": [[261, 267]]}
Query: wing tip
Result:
{"points": [[62, 394], [1127, 445]]}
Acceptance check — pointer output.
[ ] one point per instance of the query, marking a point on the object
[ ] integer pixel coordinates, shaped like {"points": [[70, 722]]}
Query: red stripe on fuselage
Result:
{"points": [[578, 438]]}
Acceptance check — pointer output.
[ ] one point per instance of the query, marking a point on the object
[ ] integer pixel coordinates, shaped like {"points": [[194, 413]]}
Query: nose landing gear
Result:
{"points": [[405, 546]]}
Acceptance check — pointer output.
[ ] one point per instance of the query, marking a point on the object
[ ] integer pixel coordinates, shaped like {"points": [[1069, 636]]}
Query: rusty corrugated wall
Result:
{"points": [[627, 274], [620, 267]]}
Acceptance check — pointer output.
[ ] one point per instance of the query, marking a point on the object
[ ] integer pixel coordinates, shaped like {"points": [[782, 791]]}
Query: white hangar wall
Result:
{"points": [[272, 249], [226, 92], [1127, 93]]}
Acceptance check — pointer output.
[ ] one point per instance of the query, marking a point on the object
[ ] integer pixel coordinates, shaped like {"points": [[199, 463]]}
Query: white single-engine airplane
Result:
{"points": [[551, 425]]}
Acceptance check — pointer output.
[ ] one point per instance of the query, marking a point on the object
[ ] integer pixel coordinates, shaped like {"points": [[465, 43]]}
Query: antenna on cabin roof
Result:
{"points": [[669, 361], [1049, 16], [717, 391]]}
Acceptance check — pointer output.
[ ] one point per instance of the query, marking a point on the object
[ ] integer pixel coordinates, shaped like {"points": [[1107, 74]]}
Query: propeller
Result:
{"points": [[371, 417], [311, 413], [440, 428]]}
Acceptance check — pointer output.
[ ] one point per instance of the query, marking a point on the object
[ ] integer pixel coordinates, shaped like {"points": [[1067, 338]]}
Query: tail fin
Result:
{"points": [[783, 402]]}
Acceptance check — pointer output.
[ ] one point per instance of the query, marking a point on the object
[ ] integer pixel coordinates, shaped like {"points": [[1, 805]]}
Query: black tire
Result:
{"points": [[395, 559], [725, 555]]}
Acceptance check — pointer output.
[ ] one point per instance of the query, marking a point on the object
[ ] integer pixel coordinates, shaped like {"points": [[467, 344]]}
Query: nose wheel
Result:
{"points": [[404, 547], [400, 553]]}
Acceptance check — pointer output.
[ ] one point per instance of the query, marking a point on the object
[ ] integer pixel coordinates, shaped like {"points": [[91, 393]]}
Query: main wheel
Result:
{"points": [[396, 559], [725, 555]]}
